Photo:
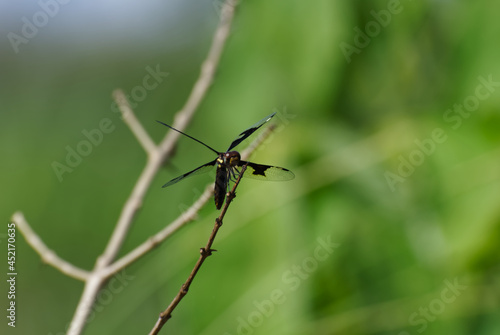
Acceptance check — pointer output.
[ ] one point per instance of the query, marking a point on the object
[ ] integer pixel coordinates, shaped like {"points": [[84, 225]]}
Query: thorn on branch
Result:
{"points": [[154, 242], [184, 289], [230, 196], [165, 316], [204, 252]]}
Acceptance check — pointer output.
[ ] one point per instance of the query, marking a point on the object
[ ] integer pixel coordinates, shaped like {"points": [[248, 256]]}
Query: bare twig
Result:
{"points": [[155, 158], [133, 123], [48, 256], [204, 253], [157, 154]]}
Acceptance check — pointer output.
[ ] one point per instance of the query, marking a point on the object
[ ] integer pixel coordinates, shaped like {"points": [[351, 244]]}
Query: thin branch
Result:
{"points": [[204, 254], [187, 216], [132, 205], [131, 120], [48, 256]]}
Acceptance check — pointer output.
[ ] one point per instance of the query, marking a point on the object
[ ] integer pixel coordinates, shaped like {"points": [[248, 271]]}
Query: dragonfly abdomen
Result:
{"points": [[220, 183]]}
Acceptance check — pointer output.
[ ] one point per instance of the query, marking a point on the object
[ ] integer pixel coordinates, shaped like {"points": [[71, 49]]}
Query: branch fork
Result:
{"points": [[106, 264]]}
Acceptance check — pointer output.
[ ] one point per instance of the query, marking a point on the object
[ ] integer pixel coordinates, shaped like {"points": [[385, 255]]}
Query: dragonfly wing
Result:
{"points": [[191, 137], [199, 170], [241, 137], [266, 172]]}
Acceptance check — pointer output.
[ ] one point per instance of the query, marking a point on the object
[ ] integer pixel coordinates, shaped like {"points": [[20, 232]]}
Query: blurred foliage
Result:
{"points": [[345, 122]]}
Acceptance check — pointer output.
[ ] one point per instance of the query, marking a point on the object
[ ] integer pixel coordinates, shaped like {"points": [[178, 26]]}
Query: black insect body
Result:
{"points": [[229, 162]]}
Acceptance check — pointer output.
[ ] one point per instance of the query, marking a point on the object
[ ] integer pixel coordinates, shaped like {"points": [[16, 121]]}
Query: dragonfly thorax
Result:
{"points": [[231, 158]]}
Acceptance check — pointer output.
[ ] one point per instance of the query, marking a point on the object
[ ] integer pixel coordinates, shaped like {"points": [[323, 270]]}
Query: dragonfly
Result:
{"points": [[229, 163]]}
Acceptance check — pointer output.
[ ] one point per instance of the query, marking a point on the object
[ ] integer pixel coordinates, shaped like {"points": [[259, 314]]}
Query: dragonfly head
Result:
{"points": [[232, 158]]}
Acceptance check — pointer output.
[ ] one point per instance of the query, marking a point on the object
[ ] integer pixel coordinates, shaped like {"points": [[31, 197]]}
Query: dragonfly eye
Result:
{"points": [[233, 158]]}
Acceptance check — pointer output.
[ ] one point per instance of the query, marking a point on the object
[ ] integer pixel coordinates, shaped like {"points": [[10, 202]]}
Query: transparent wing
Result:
{"points": [[266, 172], [241, 137], [199, 170]]}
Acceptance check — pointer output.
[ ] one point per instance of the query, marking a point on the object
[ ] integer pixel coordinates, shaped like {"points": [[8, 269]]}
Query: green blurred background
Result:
{"points": [[404, 184]]}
